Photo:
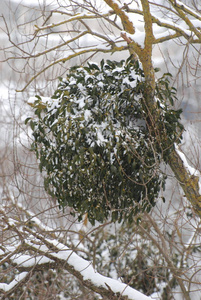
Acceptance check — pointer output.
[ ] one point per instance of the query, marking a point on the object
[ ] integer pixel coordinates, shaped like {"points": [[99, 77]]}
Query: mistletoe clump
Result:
{"points": [[93, 143]]}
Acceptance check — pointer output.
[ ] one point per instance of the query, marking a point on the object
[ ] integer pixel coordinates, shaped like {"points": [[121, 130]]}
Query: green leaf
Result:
{"points": [[27, 120]]}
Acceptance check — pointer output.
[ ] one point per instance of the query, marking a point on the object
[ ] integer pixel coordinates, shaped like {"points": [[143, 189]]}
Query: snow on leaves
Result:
{"points": [[93, 142]]}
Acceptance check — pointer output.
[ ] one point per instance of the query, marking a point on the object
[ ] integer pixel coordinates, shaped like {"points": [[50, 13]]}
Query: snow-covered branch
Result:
{"points": [[191, 170], [35, 251]]}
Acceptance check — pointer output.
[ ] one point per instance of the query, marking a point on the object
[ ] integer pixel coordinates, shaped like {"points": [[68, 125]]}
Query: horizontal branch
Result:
{"points": [[166, 38], [76, 17], [180, 31], [75, 54], [84, 271], [186, 9]]}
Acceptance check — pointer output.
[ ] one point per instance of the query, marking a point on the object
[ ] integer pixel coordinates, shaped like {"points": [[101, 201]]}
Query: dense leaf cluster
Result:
{"points": [[93, 143]]}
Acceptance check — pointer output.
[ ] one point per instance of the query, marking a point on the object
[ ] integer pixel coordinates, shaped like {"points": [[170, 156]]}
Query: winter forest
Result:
{"points": [[100, 191]]}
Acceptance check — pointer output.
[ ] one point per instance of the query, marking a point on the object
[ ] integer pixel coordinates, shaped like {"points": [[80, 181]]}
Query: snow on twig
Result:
{"points": [[192, 171]]}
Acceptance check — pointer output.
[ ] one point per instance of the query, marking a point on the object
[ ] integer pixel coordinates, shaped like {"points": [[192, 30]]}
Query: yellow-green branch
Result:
{"points": [[127, 24], [62, 60]]}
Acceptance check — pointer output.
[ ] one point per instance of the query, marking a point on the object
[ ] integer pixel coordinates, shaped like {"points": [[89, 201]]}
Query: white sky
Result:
{"points": [[27, 2]]}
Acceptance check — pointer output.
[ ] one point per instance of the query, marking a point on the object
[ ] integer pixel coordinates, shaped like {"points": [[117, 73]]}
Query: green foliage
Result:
{"points": [[169, 126], [93, 143]]}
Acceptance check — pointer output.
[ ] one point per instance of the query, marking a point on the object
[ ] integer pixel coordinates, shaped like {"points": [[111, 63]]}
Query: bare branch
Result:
{"points": [[75, 54]]}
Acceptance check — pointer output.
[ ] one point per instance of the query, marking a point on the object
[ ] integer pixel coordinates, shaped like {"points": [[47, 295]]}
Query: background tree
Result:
{"points": [[120, 33]]}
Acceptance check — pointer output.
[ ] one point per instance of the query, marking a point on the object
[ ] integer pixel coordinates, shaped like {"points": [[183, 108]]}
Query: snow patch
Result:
{"points": [[190, 169], [7, 287]]}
